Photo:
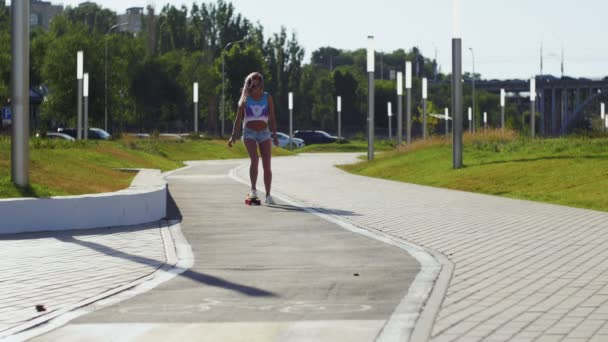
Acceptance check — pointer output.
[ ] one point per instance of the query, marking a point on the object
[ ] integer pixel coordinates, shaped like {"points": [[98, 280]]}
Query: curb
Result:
{"points": [[144, 201]]}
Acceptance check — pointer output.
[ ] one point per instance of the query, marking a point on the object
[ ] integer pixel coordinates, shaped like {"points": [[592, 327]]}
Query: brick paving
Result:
{"points": [[523, 271], [63, 270]]}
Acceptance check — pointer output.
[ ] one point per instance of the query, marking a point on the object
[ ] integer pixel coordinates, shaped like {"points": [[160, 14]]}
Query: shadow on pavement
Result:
{"points": [[173, 212], [338, 212], [193, 275]]}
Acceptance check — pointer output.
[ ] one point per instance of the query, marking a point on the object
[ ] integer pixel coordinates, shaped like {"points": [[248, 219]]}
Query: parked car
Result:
{"points": [[315, 137], [98, 133], [94, 133], [284, 141], [59, 136]]}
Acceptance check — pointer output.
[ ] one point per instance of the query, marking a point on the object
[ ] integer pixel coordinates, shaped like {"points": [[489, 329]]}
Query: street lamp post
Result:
{"points": [[85, 95], [399, 108], [603, 115], [223, 84], [424, 96], [473, 76], [339, 108], [408, 88], [390, 121], [195, 100], [79, 76], [502, 109], [457, 90], [290, 120], [532, 105], [106, 73], [446, 116], [20, 92], [485, 121], [370, 102]]}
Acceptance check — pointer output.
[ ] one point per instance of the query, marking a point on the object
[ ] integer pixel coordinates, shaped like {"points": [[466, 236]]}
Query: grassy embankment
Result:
{"points": [[74, 168], [571, 171]]}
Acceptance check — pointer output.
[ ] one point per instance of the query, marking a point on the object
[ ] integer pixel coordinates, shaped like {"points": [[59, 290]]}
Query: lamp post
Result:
{"points": [[408, 88], [502, 109], [470, 118], [390, 121], [370, 102], [424, 96], [106, 73], [339, 108], [79, 76], [20, 92], [223, 84], [603, 114], [195, 100], [290, 120], [485, 121], [473, 57], [446, 116], [457, 90], [532, 107], [399, 108], [85, 94]]}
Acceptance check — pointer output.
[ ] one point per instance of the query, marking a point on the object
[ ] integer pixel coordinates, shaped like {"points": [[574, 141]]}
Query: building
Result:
{"points": [[42, 13], [131, 20]]}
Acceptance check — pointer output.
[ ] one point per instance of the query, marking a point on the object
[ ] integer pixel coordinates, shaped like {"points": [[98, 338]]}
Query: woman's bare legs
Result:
{"points": [[266, 151], [251, 146]]}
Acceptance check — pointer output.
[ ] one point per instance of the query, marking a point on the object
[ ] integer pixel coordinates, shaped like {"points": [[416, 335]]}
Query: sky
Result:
{"points": [[505, 36]]}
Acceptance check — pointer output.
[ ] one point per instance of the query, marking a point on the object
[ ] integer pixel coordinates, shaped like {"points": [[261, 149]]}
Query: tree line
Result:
{"points": [[150, 74]]}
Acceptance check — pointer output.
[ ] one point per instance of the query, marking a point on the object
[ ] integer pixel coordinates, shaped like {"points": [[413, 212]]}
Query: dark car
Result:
{"points": [[315, 137], [94, 133]]}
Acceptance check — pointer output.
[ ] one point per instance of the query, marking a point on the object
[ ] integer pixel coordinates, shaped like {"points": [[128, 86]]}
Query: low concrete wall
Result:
{"points": [[144, 201]]}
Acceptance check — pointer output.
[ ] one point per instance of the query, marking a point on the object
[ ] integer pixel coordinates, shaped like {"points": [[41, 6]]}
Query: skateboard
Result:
{"points": [[252, 200]]}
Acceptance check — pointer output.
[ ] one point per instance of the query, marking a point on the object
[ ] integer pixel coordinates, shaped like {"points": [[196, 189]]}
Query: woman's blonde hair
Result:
{"points": [[246, 91]]}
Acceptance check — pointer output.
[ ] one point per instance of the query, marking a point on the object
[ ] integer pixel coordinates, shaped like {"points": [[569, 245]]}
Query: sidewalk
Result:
{"points": [[523, 271], [66, 270], [263, 273]]}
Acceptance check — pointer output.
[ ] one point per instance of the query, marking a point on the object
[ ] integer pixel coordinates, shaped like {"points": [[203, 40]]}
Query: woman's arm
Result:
{"points": [[236, 130], [273, 120]]}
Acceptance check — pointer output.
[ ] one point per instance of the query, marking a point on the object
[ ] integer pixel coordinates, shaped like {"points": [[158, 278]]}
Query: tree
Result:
{"points": [[348, 83], [95, 18], [59, 72]]}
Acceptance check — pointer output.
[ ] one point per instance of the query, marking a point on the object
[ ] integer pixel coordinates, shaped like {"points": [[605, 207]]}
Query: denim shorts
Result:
{"points": [[258, 136]]}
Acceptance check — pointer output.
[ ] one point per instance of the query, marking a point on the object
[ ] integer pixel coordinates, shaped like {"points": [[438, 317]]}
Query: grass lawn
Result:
{"points": [[348, 146], [75, 168], [572, 171]]}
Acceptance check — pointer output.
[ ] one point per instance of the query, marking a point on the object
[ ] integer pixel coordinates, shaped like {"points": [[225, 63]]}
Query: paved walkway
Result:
{"points": [[268, 273], [66, 270], [522, 271]]}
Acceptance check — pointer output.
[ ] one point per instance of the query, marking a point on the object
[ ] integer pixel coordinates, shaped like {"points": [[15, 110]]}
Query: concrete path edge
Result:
{"points": [[415, 315], [144, 201]]}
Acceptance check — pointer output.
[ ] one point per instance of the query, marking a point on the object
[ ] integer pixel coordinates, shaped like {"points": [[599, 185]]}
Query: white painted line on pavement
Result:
{"points": [[197, 177], [179, 259], [414, 316]]}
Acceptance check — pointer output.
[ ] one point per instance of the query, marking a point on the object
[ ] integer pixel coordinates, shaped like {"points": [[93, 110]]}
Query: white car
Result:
{"points": [[284, 141], [59, 136]]}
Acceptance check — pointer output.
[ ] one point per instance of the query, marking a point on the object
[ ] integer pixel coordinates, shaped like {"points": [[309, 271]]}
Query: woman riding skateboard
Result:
{"points": [[256, 111]]}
